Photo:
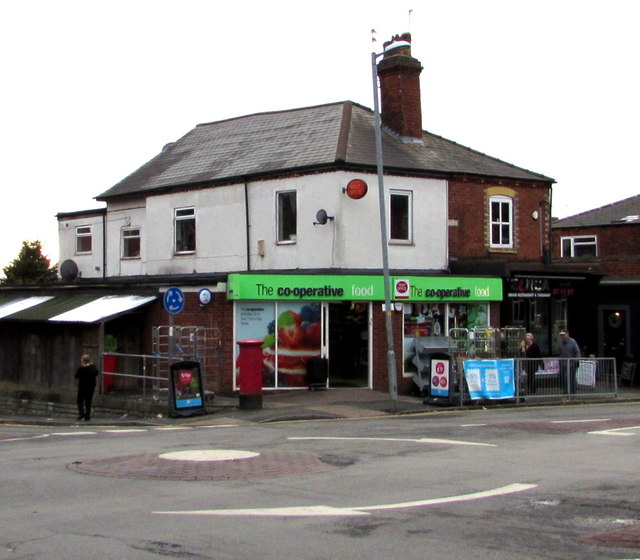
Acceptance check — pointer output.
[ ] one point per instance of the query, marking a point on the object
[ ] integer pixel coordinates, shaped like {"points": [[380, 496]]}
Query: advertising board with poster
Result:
{"points": [[186, 395], [490, 379]]}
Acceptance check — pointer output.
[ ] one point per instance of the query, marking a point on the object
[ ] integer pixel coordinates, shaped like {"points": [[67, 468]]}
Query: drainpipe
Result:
{"points": [[246, 222], [104, 244]]}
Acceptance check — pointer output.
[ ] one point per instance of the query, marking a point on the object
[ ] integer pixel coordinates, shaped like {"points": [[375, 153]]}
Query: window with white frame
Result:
{"points": [[131, 243], [400, 216], [579, 246], [83, 239], [287, 216], [501, 222], [185, 230]]}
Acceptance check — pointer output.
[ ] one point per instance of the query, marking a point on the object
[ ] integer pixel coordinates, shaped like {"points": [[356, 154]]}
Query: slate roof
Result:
{"points": [[333, 136], [623, 212]]}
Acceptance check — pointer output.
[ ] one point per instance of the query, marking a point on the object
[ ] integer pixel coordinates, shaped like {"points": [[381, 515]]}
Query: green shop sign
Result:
{"points": [[361, 288]]}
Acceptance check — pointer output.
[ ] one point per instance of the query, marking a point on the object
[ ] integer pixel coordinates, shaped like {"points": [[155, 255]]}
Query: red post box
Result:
{"points": [[249, 366]]}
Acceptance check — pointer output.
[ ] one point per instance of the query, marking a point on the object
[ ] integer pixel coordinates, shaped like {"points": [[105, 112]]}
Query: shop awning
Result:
{"points": [[70, 308]]}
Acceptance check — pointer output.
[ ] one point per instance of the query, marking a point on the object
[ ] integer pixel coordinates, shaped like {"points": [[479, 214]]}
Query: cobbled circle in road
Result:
{"points": [[152, 466]]}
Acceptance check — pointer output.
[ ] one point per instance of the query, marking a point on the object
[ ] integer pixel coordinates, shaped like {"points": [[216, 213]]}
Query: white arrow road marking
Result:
{"points": [[418, 440], [615, 431], [325, 511]]}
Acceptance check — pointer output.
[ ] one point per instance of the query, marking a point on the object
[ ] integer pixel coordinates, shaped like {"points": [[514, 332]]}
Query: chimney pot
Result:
{"points": [[399, 75]]}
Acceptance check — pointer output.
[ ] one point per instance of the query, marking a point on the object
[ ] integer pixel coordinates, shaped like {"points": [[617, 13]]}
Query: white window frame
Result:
{"points": [[182, 215], [82, 233], [576, 242], [131, 233], [286, 233], [408, 195], [500, 222]]}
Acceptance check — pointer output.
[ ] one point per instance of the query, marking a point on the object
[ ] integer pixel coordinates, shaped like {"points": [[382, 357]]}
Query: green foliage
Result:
{"points": [[30, 266]]}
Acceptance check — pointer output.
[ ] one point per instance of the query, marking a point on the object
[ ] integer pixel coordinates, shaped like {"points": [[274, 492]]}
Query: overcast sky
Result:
{"points": [[93, 89]]}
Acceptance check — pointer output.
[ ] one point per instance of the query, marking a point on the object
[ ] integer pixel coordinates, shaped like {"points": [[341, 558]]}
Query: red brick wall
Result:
{"points": [[469, 206], [218, 314], [618, 248]]}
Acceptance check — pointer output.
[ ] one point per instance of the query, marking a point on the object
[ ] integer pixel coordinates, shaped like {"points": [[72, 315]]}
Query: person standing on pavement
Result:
{"points": [[532, 351], [569, 353], [86, 375]]}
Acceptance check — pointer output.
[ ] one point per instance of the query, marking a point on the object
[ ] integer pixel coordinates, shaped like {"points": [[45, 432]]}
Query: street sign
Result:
{"points": [[174, 300]]}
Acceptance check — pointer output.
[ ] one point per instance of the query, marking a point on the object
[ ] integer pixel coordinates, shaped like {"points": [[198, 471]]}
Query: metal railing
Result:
{"points": [[565, 377]]}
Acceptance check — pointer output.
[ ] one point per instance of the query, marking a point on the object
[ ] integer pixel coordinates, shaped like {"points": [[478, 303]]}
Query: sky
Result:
{"points": [[94, 89]]}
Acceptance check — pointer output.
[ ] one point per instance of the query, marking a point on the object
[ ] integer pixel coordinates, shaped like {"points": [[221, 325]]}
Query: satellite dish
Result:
{"points": [[322, 218], [69, 270]]}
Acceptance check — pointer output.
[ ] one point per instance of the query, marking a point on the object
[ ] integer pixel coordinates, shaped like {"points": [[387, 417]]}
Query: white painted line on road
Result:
{"points": [[471, 425], [170, 428], [24, 438], [125, 431], [219, 426], [580, 421], [63, 434], [615, 431], [407, 440], [321, 510]]}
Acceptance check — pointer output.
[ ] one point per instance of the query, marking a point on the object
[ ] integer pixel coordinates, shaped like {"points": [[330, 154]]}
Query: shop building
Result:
{"points": [[275, 216], [605, 241]]}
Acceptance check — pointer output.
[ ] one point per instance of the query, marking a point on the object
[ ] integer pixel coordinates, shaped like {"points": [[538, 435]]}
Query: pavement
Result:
{"points": [[296, 406]]}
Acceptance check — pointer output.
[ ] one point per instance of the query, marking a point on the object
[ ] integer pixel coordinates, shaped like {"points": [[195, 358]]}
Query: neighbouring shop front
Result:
{"points": [[299, 318], [544, 304]]}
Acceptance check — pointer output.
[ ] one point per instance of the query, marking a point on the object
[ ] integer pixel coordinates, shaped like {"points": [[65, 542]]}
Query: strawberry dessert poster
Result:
{"points": [[290, 334]]}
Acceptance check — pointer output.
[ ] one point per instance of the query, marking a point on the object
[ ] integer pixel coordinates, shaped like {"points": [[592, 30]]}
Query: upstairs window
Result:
{"points": [[400, 211], [579, 246], [83, 239], [131, 243], [501, 222], [287, 217], [185, 230]]}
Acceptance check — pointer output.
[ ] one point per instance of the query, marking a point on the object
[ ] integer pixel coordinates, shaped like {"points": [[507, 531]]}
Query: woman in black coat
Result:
{"points": [[86, 375], [532, 350]]}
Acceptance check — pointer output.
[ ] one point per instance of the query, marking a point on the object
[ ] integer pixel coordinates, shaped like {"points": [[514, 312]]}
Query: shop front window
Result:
{"points": [[290, 333], [427, 327]]}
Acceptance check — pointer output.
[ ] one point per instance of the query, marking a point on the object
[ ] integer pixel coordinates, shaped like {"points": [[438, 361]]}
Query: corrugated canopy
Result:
{"points": [[69, 308]]}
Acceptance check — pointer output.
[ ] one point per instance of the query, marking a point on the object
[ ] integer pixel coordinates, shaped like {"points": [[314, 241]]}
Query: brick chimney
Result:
{"points": [[399, 75]]}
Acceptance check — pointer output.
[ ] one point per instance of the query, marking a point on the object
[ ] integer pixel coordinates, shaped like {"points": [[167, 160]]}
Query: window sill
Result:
{"points": [[184, 253], [292, 242], [405, 242], [502, 250]]}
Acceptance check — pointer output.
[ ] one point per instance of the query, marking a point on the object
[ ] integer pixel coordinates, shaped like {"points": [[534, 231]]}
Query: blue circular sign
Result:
{"points": [[174, 300]]}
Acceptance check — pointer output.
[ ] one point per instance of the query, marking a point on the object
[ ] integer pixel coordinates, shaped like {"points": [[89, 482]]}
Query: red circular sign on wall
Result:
{"points": [[356, 189], [402, 287]]}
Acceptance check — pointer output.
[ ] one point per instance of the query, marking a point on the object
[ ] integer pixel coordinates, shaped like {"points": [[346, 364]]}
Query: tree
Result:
{"points": [[30, 266]]}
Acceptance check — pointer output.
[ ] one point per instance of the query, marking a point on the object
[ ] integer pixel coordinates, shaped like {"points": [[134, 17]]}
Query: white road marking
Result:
{"points": [[580, 421], [170, 428], [209, 455], [24, 438], [322, 510], [471, 425], [125, 431], [219, 426], [615, 431], [408, 440], [63, 434]]}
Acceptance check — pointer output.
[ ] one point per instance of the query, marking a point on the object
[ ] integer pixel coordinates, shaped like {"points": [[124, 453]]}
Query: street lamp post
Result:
{"points": [[391, 355]]}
